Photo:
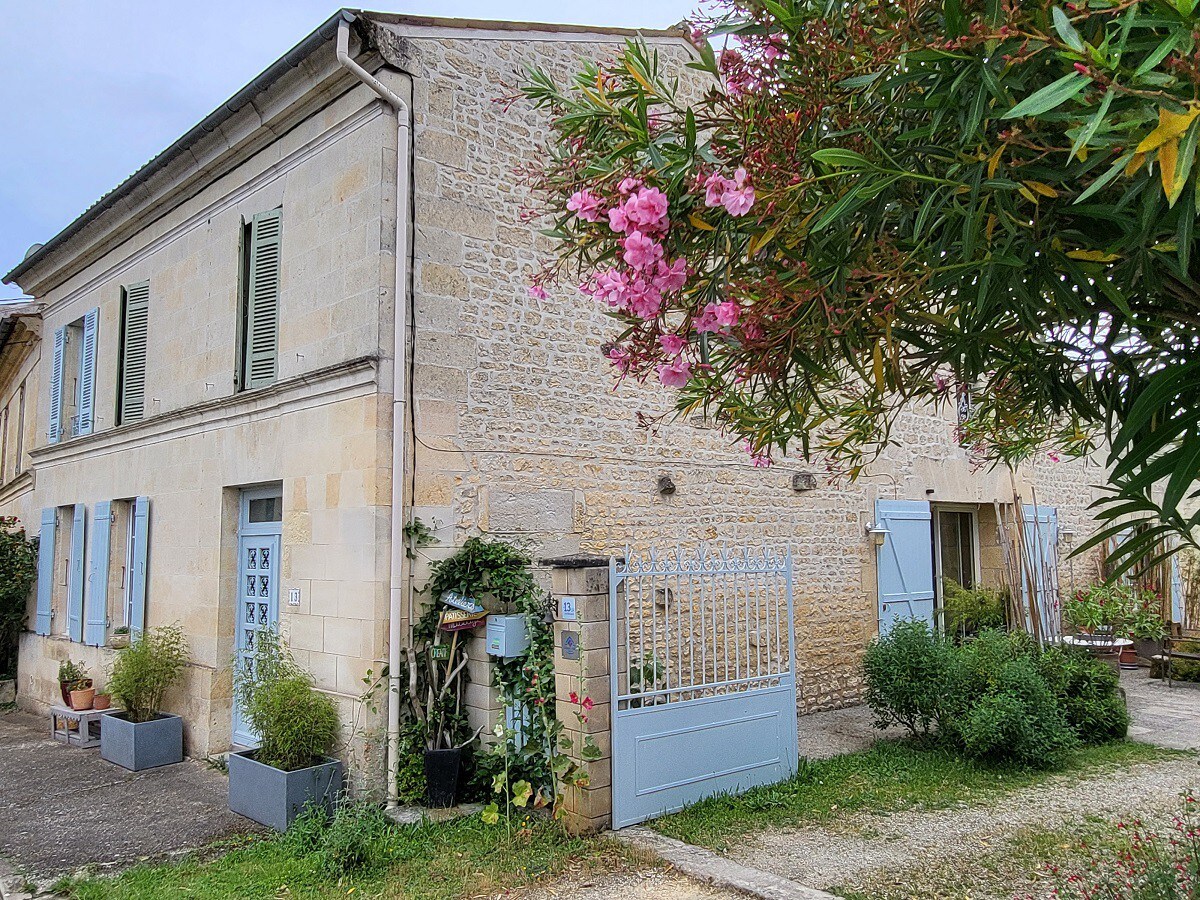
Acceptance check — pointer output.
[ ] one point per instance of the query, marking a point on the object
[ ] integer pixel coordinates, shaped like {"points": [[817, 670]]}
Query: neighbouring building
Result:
{"points": [[203, 408]]}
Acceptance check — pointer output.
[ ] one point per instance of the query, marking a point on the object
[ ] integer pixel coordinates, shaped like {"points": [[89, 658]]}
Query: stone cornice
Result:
{"points": [[14, 488], [353, 378]]}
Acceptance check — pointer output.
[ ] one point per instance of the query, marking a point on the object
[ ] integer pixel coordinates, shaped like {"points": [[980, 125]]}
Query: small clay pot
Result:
{"points": [[83, 699], [102, 701]]}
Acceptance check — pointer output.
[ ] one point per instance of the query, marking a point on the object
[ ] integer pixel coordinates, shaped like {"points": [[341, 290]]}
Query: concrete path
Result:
{"points": [[62, 807], [1161, 715]]}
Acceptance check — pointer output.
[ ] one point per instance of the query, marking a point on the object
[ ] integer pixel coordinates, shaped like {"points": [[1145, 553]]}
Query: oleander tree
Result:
{"points": [[869, 204]]}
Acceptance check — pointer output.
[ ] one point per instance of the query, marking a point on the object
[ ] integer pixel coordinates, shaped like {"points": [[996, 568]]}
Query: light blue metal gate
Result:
{"points": [[703, 678]]}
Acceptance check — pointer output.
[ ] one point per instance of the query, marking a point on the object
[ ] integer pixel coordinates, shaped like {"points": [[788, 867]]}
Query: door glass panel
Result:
{"points": [[956, 537], [265, 509]]}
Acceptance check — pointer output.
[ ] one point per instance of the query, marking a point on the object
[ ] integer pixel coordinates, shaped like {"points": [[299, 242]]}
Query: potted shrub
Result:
{"points": [[70, 676], [297, 727], [119, 639], [1146, 627], [142, 736]]}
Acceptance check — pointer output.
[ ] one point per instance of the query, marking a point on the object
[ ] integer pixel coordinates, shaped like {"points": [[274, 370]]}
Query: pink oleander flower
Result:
{"points": [[537, 292], [672, 277], [759, 459], [738, 196], [672, 344], [641, 252], [752, 330], [727, 313], [647, 209], [1053, 457], [643, 299], [610, 287], [586, 205], [707, 320], [732, 193], [714, 189], [617, 219], [629, 184], [618, 358], [675, 374]]}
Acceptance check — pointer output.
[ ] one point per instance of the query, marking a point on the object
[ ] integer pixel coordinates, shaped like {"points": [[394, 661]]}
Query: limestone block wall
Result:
{"points": [[322, 431], [520, 434]]}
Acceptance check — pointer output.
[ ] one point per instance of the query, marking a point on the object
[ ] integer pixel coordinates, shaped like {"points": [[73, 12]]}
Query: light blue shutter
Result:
{"points": [[904, 562], [56, 386], [87, 374], [137, 578], [96, 615], [45, 581], [1040, 538], [1176, 592], [75, 579]]}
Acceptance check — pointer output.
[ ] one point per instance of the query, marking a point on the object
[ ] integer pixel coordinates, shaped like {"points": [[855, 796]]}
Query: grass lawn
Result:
{"points": [[464, 858], [891, 776]]}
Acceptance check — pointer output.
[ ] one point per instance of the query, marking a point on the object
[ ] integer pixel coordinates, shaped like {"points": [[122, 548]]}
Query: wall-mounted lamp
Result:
{"points": [[666, 485], [804, 481], [877, 533], [1067, 533]]}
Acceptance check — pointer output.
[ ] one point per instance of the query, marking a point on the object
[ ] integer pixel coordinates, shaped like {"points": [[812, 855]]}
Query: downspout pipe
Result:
{"points": [[400, 392]]}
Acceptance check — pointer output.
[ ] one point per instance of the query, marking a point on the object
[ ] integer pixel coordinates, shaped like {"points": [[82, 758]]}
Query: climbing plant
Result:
{"points": [[18, 570]]}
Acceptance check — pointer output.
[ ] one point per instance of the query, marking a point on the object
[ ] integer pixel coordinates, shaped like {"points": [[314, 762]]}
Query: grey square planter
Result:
{"points": [[142, 745], [274, 797]]}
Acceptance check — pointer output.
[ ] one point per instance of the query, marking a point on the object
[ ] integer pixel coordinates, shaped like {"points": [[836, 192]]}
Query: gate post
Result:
{"points": [[582, 671]]}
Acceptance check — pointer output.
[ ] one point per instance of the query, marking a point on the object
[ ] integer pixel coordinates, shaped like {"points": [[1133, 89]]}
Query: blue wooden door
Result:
{"points": [[258, 610], [904, 562]]}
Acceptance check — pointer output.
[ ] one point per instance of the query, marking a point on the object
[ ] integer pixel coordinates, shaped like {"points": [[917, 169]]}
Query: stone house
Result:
{"points": [[208, 433]]}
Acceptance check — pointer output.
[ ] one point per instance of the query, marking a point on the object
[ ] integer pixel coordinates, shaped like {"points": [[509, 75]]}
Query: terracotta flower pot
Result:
{"points": [[102, 701], [1128, 658], [82, 699]]}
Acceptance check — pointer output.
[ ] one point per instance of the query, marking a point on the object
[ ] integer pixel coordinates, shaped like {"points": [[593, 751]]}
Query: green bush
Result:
{"points": [[1185, 669], [146, 669], [357, 838], [295, 722], [968, 611], [1016, 720], [995, 696], [1088, 691], [909, 678]]}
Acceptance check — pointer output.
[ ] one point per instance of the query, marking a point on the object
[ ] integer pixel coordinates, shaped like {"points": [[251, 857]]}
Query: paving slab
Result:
{"points": [[1162, 715], [62, 808]]}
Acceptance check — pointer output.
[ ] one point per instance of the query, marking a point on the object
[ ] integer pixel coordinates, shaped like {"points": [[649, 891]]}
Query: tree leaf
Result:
{"points": [[839, 158], [1051, 96], [1066, 30], [1170, 126]]}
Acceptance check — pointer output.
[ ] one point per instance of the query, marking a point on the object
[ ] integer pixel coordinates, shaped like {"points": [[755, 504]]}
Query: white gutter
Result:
{"points": [[400, 390]]}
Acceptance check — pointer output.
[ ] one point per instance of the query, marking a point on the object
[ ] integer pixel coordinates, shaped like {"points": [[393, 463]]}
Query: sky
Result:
{"points": [[92, 89]]}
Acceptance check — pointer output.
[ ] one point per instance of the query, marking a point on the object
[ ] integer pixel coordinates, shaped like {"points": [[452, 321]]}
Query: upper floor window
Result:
{"points": [[258, 313], [131, 373], [73, 378]]}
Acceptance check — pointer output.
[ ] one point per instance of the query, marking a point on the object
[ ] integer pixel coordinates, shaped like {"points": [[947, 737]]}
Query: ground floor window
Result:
{"points": [[956, 546]]}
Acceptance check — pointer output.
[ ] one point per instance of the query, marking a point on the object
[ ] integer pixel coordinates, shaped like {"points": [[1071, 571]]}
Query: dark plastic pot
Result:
{"points": [[441, 777]]}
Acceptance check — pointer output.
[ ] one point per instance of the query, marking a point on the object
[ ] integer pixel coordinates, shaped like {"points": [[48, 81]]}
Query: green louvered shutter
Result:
{"points": [[260, 360], [95, 622], [134, 332], [54, 432], [86, 418], [45, 577], [75, 576]]}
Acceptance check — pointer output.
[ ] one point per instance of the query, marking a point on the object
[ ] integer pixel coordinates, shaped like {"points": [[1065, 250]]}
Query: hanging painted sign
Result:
{"points": [[460, 620], [439, 651], [458, 601]]}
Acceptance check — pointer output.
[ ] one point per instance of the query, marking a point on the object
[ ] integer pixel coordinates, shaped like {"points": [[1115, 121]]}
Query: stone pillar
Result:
{"points": [[581, 654]]}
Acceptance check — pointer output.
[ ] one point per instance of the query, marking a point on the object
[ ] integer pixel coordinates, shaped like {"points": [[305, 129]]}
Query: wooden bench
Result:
{"points": [[87, 724], [1170, 643]]}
